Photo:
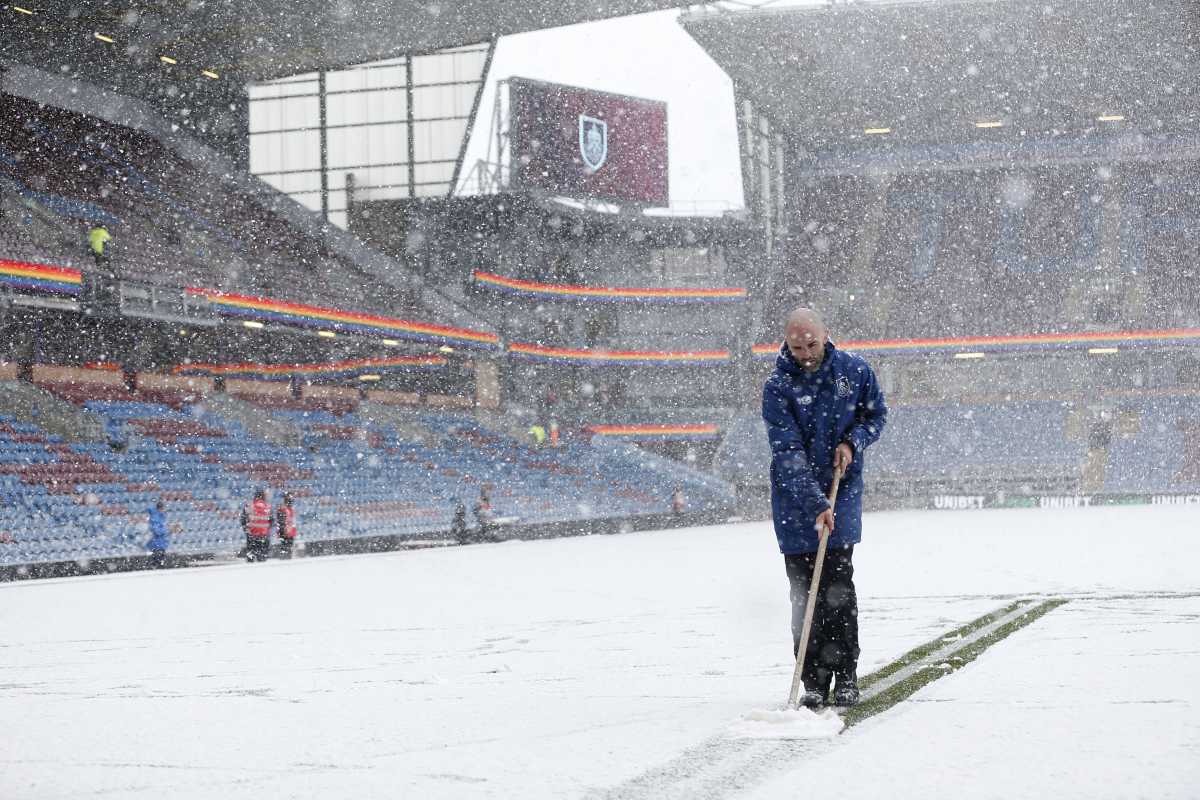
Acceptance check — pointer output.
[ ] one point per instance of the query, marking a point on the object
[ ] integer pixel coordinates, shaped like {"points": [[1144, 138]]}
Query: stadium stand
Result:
{"points": [[1156, 446], [171, 222], [743, 456], [969, 254], [985, 447], [352, 476], [933, 447], [1047, 242], [905, 203]]}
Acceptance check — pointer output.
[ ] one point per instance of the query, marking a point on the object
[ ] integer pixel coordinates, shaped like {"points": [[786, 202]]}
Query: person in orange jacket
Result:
{"points": [[256, 522], [285, 520]]}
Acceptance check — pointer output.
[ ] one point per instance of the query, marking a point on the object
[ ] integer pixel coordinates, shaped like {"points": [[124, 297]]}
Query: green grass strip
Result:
{"points": [[956, 660], [921, 651]]}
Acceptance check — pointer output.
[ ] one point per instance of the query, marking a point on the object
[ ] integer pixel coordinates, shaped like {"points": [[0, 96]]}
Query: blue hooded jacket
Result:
{"points": [[807, 416], [158, 530]]}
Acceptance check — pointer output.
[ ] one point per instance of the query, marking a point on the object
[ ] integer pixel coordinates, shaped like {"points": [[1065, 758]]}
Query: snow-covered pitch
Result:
{"points": [[579, 667]]}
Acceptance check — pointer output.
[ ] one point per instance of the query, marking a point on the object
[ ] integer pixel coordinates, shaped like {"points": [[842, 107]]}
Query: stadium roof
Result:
{"points": [[262, 39], [956, 70]]}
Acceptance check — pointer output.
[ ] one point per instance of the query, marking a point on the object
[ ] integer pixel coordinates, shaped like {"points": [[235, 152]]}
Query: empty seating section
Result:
{"points": [[1162, 451], [744, 455], [939, 443], [1019, 440], [995, 252], [50, 498], [350, 477], [375, 467], [171, 223], [1154, 447], [29, 232]]}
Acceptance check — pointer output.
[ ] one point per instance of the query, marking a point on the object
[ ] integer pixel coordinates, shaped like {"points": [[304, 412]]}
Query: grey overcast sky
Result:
{"points": [[650, 56]]}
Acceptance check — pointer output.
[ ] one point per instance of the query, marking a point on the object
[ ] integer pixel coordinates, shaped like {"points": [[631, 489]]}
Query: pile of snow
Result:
{"points": [[787, 723]]}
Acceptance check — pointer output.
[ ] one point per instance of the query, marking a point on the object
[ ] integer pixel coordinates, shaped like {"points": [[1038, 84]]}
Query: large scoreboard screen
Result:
{"points": [[577, 142]]}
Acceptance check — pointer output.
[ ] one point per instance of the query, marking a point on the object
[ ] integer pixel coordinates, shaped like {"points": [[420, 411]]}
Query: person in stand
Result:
{"points": [[483, 515], [537, 435], [256, 522], [98, 239], [458, 523], [678, 502], [285, 522], [822, 407], [158, 536]]}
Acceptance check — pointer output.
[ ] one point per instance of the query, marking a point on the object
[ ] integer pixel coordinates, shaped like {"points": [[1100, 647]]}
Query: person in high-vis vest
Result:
{"points": [[98, 239], [537, 435], [285, 521], [256, 521]]}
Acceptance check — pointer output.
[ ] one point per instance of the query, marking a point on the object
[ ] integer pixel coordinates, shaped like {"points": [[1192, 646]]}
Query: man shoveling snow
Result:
{"points": [[822, 407]]}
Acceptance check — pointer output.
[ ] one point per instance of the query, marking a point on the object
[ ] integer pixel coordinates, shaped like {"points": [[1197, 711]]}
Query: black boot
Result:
{"points": [[816, 689], [846, 693]]}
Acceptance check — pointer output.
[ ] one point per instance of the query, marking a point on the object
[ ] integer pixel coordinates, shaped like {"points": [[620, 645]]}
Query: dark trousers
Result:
{"points": [[257, 548], [158, 559], [285, 547], [833, 646]]}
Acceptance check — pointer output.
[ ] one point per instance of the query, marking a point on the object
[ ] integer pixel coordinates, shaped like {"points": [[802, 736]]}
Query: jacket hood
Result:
{"points": [[786, 362]]}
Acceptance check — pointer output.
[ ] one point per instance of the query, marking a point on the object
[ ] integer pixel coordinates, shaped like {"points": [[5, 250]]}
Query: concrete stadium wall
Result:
{"points": [[74, 375]]}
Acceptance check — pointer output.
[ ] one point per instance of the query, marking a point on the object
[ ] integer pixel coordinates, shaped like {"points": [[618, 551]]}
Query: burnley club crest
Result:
{"points": [[593, 142]]}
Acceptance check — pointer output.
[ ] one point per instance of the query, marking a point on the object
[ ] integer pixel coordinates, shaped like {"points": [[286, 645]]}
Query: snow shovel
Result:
{"points": [[811, 604]]}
